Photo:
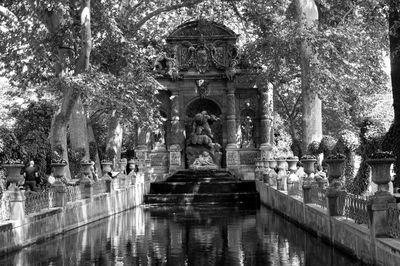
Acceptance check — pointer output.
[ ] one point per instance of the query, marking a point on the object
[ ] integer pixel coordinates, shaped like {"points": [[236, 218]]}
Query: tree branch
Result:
{"points": [[236, 10], [8, 14], [160, 10], [295, 105], [283, 102]]}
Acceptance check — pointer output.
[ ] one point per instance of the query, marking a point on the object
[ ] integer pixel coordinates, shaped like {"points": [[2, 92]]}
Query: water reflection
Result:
{"points": [[184, 236]]}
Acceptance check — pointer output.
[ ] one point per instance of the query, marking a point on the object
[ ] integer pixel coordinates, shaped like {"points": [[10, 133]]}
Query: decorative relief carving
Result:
{"points": [[202, 88], [199, 45], [175, 158], [232, 158], [248, 157]]}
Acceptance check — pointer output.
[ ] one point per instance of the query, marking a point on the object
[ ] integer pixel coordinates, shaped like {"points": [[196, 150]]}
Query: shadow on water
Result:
{"points": [[184, 236]]}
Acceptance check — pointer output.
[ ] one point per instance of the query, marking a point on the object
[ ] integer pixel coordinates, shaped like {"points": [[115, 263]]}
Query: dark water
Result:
{"points": [[184, 236]]}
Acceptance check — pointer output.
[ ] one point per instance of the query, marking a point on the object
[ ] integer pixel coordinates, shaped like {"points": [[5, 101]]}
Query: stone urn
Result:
{"points": [[58, 169], [282, 175], [106, 166], [292, 164], [380, 172], [335, 170], [309, 164], [293, 180], [14, 173], [131, 165], [122, 165], [58, 172], [86, 170]]}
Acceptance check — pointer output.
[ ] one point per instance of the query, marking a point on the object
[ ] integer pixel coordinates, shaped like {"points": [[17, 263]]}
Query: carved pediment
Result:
{"points": [[196, 29], [200, 46]]}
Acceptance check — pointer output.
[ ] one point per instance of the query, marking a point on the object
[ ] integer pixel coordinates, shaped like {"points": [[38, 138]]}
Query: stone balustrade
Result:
{"points": [[367, 226]]}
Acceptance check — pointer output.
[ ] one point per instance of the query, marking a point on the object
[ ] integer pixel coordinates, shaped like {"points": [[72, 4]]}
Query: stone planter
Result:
{"points": [[85, 168], [106, 166], [380, 173], [293, 181], [58, 169], [14, 173], [122, 165], [309, 166], [86, 171], [132, 165], [335, 171], [292, 164]]}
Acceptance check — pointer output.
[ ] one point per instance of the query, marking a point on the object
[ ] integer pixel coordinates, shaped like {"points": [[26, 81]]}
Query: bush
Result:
{"points": [[313, 148], [327, 145], [371, 137]]}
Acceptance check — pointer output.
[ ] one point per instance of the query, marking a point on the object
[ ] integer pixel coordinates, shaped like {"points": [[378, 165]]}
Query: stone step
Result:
{"points": [[198, 175], [202, 187], [197, 179], [183, 199], [200, 214]]}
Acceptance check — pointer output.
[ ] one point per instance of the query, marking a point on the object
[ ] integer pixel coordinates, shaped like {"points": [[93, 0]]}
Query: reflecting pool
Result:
{"points": [[184, 236]]}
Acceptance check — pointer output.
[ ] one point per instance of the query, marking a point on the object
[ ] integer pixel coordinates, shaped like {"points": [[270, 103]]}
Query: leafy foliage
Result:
{"points": [[372, 134]]}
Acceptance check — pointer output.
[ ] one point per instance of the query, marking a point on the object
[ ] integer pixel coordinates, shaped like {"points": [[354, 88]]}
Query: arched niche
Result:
{"points": [[212, 108]]}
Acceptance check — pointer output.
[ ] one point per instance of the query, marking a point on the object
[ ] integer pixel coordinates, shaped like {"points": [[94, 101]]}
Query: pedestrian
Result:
{"points": [[31, 175]]}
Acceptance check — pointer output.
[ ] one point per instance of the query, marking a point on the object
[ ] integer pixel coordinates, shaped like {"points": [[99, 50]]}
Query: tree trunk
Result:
{"points": [[78, 130], [114, 138], [58, 129], [93, 148], [394, 38], [78, 123], [307, 14]]}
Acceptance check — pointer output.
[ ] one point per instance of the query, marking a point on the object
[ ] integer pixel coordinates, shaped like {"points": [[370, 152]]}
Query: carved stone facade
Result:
{"points": [[200, 72]]}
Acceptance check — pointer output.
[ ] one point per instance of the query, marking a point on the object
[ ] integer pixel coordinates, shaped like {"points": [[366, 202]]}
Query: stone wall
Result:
{"points": [[355, 239], [16, 234]]}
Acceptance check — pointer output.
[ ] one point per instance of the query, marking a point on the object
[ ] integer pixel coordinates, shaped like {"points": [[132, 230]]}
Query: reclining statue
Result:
{"points": [[204, 161]]}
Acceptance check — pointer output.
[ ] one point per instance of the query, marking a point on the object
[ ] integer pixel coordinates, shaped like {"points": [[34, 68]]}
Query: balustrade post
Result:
{"points": [[293, 181], [17, 204], [282, 175], [108, 182], [60, 194], [307, 193], [379, 204], [272, 175], [332, 197], [87, 188]]}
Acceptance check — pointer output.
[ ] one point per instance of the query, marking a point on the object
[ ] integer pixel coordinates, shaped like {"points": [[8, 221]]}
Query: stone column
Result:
{"points": [[175, 148], [266, 120], [232, 151]]}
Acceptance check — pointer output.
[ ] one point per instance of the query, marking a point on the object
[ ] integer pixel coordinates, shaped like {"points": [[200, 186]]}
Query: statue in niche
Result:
{"points": [[159, 139], [201, 132], [247, 132], [201, 151]]}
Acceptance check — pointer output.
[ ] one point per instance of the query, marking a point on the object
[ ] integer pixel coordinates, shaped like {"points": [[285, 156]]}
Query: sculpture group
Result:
{"points": [[203, 153]]}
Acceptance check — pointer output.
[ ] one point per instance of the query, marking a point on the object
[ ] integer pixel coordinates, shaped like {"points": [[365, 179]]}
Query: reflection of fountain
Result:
{"points": [[202, 152]]}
